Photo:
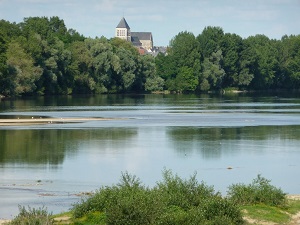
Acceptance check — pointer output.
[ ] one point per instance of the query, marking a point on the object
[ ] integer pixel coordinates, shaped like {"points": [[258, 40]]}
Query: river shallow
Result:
{"points": [[224, 139]]}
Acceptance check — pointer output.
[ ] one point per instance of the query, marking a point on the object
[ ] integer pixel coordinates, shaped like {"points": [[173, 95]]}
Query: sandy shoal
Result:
{"points": [[34, 121]]}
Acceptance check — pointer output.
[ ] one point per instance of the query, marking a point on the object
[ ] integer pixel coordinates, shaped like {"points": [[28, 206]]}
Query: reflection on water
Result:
{"points": [[213, 142], [51, 146], [185, 133]]}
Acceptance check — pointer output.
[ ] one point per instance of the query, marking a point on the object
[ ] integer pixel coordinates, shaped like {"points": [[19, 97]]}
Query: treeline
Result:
{"points": [[216, 60], [41, 56]]}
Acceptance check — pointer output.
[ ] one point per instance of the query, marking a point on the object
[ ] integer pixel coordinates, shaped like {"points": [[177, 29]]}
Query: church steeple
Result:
{"points": [[123, 30]]}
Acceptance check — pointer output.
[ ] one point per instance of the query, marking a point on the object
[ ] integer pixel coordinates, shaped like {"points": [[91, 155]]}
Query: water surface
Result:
{"points": [[50, 164]]}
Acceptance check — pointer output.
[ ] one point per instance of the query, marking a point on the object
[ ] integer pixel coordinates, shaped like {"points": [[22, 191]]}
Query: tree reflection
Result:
{"points": [[51, 146], [213, 142]]}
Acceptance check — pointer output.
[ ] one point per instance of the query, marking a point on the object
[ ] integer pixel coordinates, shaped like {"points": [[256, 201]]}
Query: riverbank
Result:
{"points": [[294, 218]]}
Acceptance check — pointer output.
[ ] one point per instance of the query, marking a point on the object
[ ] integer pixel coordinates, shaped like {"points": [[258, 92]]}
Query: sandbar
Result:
{"points": [[37, 120]]}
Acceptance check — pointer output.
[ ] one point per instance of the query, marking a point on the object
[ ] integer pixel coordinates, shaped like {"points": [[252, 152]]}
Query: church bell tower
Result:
{"points": [[123, 30]]}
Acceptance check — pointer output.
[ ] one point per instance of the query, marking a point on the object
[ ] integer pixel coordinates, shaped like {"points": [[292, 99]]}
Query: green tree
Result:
{"points": [[147, 78], [57, 77], [183, 52], [186, 80], [3, 66], [165, 67], [127, 73], [231, 45], [210, 40], [213, 73], [22, 72], [8, 31], [81, 60], [265, 62], [289, 62]]}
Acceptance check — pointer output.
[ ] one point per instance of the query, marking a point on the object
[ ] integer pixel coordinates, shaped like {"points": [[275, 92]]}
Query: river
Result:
{"points": [[225, 139]]}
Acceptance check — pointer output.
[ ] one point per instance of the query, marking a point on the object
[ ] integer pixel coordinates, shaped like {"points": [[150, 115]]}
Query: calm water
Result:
{"points": [[47, 165]]}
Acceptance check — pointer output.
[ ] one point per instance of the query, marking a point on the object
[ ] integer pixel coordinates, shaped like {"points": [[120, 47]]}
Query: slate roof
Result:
{"points": [[135, 41], [123, 24], [142, 35]]}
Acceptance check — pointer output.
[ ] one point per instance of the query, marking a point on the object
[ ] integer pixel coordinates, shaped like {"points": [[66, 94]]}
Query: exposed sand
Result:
{"points": [[37, 120]]}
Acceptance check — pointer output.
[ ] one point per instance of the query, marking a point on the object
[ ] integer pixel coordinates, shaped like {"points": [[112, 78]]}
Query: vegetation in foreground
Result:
{"points": [[174, 201]]}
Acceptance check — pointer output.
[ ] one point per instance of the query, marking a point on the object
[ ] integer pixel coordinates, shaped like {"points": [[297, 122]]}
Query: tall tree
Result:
{"points": [[183, 58], [290, 62], [232, 46], [146, 77], [265, 62], [22, 72], [213, 73], [210, 40], [3, 65]]}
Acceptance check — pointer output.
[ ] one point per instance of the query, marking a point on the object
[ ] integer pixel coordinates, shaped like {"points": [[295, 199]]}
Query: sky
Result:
{"points": [[164, 18]]}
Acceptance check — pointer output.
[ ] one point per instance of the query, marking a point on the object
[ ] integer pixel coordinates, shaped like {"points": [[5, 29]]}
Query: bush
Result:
{"points": [[259, 191], [183, 193], [173, 201], [128, 202], [32, 216]]}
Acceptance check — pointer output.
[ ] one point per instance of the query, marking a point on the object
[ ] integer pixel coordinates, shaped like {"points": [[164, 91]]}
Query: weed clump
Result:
{"points": [[34, 216], [260, 191]]}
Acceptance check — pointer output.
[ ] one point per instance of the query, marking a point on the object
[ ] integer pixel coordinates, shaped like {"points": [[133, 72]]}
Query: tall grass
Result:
{"points": [[32, 216]]}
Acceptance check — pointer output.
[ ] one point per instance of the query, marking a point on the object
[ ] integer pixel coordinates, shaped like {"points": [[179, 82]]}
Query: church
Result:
{"points": [[141, 40]]}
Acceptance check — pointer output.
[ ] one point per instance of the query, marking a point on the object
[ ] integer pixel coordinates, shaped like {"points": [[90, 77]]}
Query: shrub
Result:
{"points": [[183, 193], [32, 216], [128, 202], [218, 210], [259, 191], [173, 201]]}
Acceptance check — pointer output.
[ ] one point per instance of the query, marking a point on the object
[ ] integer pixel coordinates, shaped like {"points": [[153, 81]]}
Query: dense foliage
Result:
{"points": [[216, 60], [41, 56], [172, 201]]}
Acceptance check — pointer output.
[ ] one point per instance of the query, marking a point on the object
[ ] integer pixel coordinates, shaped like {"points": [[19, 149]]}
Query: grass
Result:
{"points": [[274, 214], [267, 213], [293, 206]]}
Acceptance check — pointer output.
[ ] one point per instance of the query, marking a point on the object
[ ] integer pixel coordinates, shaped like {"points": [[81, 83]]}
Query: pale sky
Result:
{"points": [[164, 18]]}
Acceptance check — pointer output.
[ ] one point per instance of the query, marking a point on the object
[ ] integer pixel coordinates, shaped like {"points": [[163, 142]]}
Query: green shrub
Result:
{"points": [[176, 191], [95, 203], [259, 191], [217, 210], [172, 215], [32, 216], [173, 201], [128, 202]]}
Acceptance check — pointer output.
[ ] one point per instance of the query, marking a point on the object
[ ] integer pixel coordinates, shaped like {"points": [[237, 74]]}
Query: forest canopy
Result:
{"points": [[41, 56]]}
